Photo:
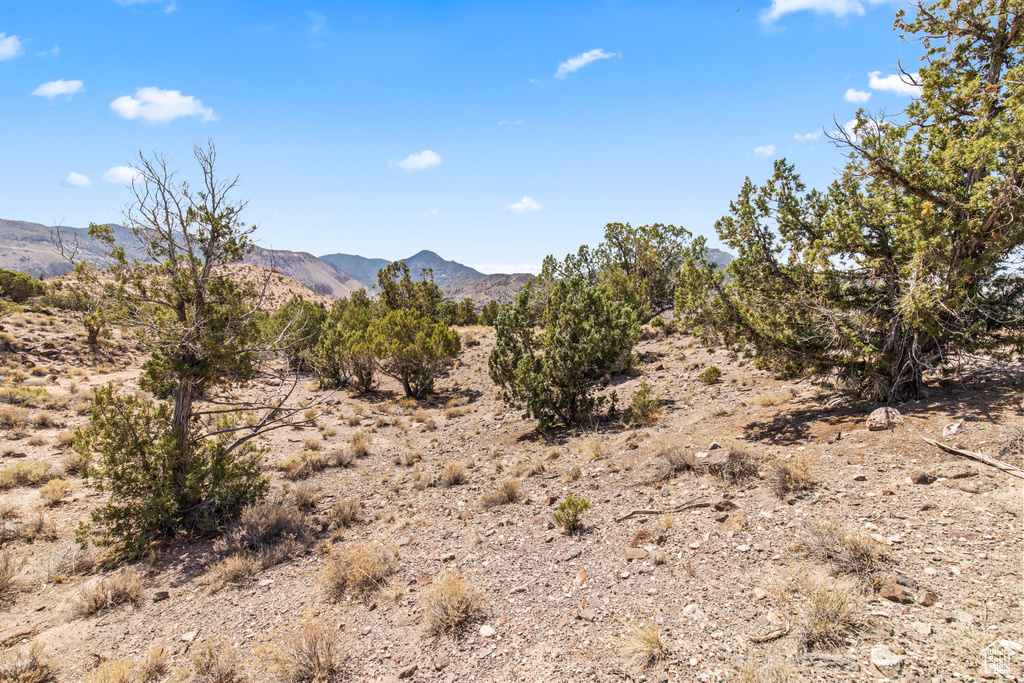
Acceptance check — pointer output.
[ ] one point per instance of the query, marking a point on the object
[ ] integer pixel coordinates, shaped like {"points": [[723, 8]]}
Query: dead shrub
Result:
{"points": [[75, 462], [124, 585], [829, 616], [234, 570], [306, 496], [343, 513], [309, 654], [772, 398], [507, 492], [592, 448], [1012, 449], [354, 420], [790, 475], [53, 491], [8, 570], [773, 670], [341, 457], [67, 560], [25, 473], [674, 460], [271, 532], [302, 465], [846, 551], [454, 412], [153, 666], [39, 527], [358, 568], [65, 439], [451, 602], [13, 416], [738, 467], [216, 661], [111, 671], [526, 466], [313, 443], [26, 665], [454, 474], [359, 443], [640, 641], [43, 420]]}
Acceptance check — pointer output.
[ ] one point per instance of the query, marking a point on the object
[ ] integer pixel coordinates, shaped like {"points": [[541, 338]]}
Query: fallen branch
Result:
{"points": [[688, 505], [998, 464]]}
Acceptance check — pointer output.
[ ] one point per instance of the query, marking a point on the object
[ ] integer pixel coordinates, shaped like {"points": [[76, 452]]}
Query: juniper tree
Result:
{"points": [[912, 257]]}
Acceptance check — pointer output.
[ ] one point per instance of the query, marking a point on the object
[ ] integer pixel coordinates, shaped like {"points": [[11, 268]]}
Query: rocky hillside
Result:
{"points": [[446, 273], [498, 287], [307, 270], [29, 248]]}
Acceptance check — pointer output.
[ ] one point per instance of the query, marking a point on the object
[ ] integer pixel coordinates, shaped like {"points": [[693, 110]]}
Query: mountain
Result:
{"points": [[364, 269], [28, 247], [499, 287], [719, 257], [307, 270]]}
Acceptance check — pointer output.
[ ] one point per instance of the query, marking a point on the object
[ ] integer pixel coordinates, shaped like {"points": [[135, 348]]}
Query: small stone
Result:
{"points": [[581, 578], [922, 478], [448, 557], [714, 446], [927, 598], [892, 590], [724, 505], [953, 429], [266, 582], [408, 671], [588, 615], [883, 418], [487, 631], [721, 517], [551, 500], [922, 628], [831, 661], [563, 621], [190, 636], [742, 548], [403, 541], [695, 545], [887, 662], [441, 662], [571, 555], [860, 477], [737, 522], [161, 595], [760, 594], [636, 554]]}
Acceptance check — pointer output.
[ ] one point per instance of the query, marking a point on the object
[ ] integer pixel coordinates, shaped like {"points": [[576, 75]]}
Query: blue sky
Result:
{"points": [[491, 133]]}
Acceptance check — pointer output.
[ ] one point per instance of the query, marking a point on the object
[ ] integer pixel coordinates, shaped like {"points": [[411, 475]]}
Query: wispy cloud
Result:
{"points": [[77, 180], [523, 205], [764, 151], [858, 96], [124, 175], [579, 61], [59, 87], [893, 83], [317, 22], [170, 8], [430, 212], [52, 52], [155, 105], [838, 8], [807, 137], [417, 162], [10, 47], [510, 123]]}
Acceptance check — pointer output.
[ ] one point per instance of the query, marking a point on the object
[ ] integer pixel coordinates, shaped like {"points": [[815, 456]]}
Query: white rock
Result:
{"points": [[487, 631]]}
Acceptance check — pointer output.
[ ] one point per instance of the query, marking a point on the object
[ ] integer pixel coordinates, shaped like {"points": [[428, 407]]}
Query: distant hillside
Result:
{"points": [[28, 247], [446, 273], [307, 270], [499, 287], [719, 257]]}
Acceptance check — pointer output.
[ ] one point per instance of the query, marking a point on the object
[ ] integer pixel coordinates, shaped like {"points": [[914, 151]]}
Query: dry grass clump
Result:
{"points": [[153, 666], [790, 475], [26, 665], [964, 643], [354, 420], [454, 474], [53, 491], [673, 460], [826, 608], [451, 602], [306, 496], [359, 443], [343, 513], [592, 448], [271, 532], [13, 416], [43, 420], [772, 398], [1012, 449], [234, 570], [341, 457], [409, 456], [454, 412], [739, 466], [640, 641], [773, 670], [111, 671], [424, 418], [65, 439], [507, 492], [313, 443], [216, 661], [309, 654], [526, 466], [360, 568], [39, 527], [74, 462], [69, 559], [301, 465], [124, 585], [847, 551], [25, 473], [8, 570]]}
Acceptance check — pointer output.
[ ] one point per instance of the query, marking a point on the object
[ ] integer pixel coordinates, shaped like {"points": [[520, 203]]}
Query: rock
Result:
{"points": [[724, 505], [551, 500], [487, 631], [927, 598], [922, 478], [736, 522], [563, 621], [831, 661], [441, 662], [890, 589], [190, 636], [860, 477], [408, 671], [161, 595], [921, 628], [887, 662], [448, 557], [954, 470], [658, 556], [952, 430], [636, 554], [641, 537], [571, 555], [581, 578], [266, 582], [588, 615], [742, 548], [714, 446], [883, 418], [721, 517], [975, 486]]}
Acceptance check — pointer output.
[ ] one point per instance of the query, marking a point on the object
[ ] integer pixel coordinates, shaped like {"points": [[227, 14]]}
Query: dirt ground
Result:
{"points": [[732, 585]]}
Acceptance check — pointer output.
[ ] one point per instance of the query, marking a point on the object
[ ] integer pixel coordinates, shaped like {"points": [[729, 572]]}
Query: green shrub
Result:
{"points": [[296, 327], [412, 349], [344, 352], [711, 374], [645, 409], [587, 337], [19, 287], [570, 511]]}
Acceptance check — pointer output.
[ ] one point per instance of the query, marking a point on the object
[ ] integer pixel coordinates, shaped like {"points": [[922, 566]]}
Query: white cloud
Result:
{"points": [[858, 96], [510, 123], [59, 87], [764, 150], [154, 105], [10, 47], [839, 8], [317, 22], [579, 61], [52, 52], [121, 174], [417, 162], [77, 180], [523, 205], [807, 137], [171, 7], [893, 83]]}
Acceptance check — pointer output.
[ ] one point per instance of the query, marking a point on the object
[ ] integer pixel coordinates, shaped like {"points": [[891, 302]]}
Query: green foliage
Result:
{"points": [[587, 335], [569, 514], [398, 291], [467, 312], [645, 408], [154, 492], [912, 257], [344, 352], [19, 287], [413, 349], [711, 374], [296, 328], [489, 313], [448, 313]]}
